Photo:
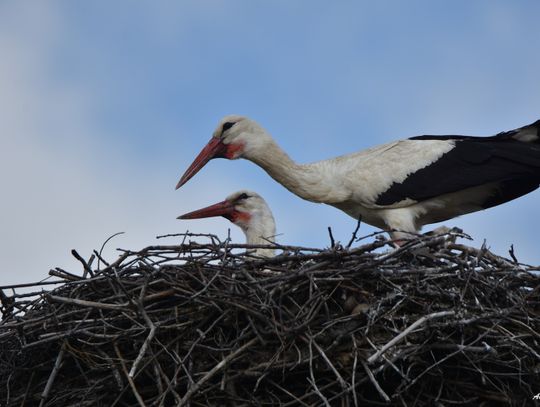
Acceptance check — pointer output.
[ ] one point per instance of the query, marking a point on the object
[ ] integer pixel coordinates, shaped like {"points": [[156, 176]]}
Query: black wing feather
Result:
{"points": [[475, 161]]}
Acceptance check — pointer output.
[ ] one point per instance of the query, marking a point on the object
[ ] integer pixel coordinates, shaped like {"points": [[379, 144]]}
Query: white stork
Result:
{"points": [[399, 186], [247, 210]]}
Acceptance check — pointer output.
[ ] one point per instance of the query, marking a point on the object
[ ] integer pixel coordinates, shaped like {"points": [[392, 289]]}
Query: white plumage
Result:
{"points": [[399, 186], [250, 212]]}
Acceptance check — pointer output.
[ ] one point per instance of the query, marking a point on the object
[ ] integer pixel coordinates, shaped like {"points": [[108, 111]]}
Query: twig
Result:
{"points": [[35, 284], [103, 247], [91, 304], [513, 254], [27, 390], [373, 358], [129, 378], [58, 272], [52, 376], [312, 376], [332, 241], [342, 382], [353, 376], [146, 343], [375, 382], [216, 369], [353, 238], [86, 266]]}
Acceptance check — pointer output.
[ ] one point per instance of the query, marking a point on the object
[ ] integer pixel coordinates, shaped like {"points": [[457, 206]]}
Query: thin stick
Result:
{"points": [[37, 283], [353, 379], [373, 358], [513, 254], [313, 382], [86, 266], [23, 402], [342, 382], [332, 241], [103, 247], [353, 238], [214, 370], [375, 382], [91, 304], [52, 376], [146, 343], [129, 378], [58, 272]]}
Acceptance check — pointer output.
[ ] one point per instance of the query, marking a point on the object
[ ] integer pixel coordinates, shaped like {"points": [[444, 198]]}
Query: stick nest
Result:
{"points": [[434, 323]]}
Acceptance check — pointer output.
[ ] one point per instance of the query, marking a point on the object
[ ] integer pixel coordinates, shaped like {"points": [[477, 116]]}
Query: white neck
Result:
{"points": [[261, 232], [259, 240], [308, 181]]}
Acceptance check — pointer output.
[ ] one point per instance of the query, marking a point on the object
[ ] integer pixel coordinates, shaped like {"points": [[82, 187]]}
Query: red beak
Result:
{"points": [[214, 149], [224, 208]]}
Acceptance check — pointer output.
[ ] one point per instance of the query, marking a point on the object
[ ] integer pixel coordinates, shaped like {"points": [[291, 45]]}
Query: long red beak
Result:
{"points": [[215, 148], [224, 208]]}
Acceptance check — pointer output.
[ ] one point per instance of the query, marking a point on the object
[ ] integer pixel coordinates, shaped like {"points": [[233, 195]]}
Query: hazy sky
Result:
{"points": [[105, 104]]}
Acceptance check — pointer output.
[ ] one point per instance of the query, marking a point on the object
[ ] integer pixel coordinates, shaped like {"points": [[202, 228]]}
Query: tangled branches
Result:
{"points": [[432, 323]]}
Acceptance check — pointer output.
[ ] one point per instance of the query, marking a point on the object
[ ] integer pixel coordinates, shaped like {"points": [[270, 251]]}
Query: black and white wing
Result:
{"points": [[510, 161]]}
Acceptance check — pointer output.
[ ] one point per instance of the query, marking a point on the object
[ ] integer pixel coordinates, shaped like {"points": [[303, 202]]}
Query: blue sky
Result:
{"points": [[105, 104]]}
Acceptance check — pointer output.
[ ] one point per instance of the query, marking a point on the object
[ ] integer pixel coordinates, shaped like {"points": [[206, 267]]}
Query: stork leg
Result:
{"points": [[399, 238]]}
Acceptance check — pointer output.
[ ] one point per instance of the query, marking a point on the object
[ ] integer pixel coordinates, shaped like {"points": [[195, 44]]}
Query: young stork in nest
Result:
{"points": [[399, 186], [250, 212]]}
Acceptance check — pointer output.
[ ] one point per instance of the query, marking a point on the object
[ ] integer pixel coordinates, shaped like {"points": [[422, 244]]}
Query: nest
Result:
{"points": [[434, 323]]}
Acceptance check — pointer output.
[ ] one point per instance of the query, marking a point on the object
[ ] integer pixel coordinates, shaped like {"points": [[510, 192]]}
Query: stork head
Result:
{"points": [[246, 209], [234, 137]]}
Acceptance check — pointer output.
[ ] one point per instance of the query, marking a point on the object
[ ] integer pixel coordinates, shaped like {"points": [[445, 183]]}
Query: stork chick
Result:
{"points": [[247, 210], [398, 186]]}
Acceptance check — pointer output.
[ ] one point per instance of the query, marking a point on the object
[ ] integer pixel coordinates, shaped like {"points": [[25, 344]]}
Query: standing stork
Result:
{"points": [[399, 186], [247, 210]]}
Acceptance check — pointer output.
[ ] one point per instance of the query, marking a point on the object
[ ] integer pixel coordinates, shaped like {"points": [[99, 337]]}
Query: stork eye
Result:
{"points": [[243, 196], [227, 126]]}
